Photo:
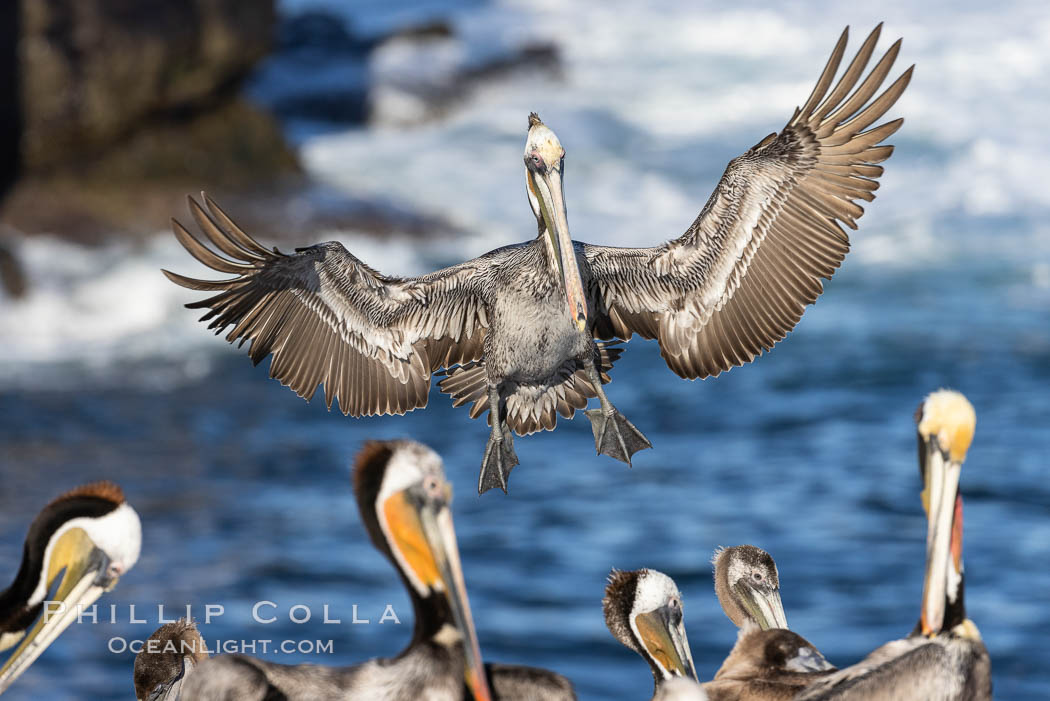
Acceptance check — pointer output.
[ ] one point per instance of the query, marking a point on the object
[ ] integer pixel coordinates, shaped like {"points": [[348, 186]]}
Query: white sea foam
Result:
{"points": [[93, 311]]}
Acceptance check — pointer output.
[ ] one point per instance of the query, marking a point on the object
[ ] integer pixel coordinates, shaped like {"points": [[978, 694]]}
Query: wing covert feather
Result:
{"points": [[740, 277], [330, 320]]}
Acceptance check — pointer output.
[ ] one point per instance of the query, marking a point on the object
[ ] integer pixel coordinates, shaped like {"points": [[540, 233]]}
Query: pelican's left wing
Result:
{"points": [[329, 319], [740, 277]]}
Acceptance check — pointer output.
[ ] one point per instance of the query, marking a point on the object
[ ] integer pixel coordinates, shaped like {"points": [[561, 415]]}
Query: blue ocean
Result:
{"points": [[809, 452]]}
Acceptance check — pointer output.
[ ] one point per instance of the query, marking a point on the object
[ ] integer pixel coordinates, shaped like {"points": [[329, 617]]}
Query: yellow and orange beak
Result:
{"points": [[945, 431], [86, 575], [422, 532], [546, 187], [665, 642]]}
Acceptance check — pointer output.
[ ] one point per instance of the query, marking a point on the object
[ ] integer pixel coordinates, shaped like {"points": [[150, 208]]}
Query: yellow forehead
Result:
{"points": [[545, 142], [967, 630], [948, 415]]}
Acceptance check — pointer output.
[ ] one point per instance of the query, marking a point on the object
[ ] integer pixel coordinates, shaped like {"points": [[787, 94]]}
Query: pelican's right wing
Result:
{"points": [[372, 341], [740, 277]]}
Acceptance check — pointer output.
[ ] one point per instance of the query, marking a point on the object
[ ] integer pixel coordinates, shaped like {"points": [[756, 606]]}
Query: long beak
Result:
{"points": [[764, 605], [549, 189], [940, 498], [440, 534], [86, 578], [665, 641]]}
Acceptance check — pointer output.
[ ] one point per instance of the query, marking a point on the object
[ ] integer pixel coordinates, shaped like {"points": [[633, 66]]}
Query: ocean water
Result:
{"points": [[809, 452]]}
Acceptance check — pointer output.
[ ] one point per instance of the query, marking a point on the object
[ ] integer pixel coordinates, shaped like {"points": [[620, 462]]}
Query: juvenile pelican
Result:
{"points": [[643, 610], [748, 587], [91, 536], [405, 504], [167, 658], [944, 658], [768, 662], [516, 328]]}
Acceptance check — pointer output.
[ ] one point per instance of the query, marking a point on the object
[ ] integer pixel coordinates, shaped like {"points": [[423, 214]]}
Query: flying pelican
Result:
{"points": [[91, 536], [405, 503], [944, 658], [516, 328], [768, 662], [167, 658], [643, 610]]}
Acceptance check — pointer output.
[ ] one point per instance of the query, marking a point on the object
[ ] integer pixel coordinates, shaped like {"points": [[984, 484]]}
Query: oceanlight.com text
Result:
{"points": [[118, 645]]}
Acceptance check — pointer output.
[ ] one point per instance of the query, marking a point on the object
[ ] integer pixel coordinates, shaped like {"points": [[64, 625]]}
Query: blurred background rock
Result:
{"points": [[114, 109], [122, 103]]}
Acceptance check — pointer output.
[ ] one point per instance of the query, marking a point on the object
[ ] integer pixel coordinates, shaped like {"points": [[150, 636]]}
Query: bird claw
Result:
{"points": [[615, 436], [499, 460]]}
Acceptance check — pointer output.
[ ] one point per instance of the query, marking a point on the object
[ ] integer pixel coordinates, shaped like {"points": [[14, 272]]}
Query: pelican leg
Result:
{"points": [[499, 458], [614, 435]]}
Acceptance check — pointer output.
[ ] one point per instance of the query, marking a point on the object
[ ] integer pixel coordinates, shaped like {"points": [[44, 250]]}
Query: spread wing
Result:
{"points": [[328, 319], [739, 279]]}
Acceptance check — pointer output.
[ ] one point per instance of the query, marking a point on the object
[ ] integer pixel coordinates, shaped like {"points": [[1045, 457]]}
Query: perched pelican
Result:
{"points": [[748, 587], [768, 662], [643, 610], [91, 536], [944, 658], [515, 329], [405, 503], [167, 659]]}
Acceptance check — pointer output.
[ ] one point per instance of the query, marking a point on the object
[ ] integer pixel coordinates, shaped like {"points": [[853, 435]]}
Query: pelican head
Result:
{"points": [[945, 422], [405, 503], [544, 166], [167, 659], [748, 586], [643, 610], [90, 536]]}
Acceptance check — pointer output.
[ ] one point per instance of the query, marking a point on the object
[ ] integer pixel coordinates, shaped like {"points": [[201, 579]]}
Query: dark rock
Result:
{"points": [[95, 71], [435, 29], [12, 275], [323, 73], [290, 210], [315, 31], [417, 80], [317, 72], [10, 103]]}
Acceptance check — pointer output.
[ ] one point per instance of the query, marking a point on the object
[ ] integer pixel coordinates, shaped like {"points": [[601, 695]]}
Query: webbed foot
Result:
{"points": [[499, 460], [615, 436]]}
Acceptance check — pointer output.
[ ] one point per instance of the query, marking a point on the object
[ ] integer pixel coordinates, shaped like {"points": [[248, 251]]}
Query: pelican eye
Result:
{"points": [[676, 610], [432, 488], [757, 576], [536, 161]]}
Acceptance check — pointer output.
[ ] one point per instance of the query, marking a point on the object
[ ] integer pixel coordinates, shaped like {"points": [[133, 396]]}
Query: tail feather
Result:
{"points": [[534, 407]]}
